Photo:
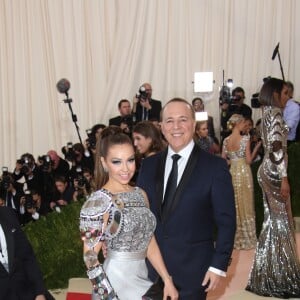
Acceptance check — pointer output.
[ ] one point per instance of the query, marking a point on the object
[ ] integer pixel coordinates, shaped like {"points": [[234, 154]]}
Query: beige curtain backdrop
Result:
{"points": [[107, 48]]}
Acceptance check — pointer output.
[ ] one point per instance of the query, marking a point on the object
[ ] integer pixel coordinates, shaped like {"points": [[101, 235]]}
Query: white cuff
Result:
{"points": [[217, 271]]}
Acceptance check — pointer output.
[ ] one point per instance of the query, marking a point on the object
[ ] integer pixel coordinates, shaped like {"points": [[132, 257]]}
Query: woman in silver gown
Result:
{"points": [[119, 215], [276, 269]]}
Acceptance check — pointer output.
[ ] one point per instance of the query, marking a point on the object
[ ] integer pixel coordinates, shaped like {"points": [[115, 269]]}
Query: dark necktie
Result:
{"points": [[171, 185]]}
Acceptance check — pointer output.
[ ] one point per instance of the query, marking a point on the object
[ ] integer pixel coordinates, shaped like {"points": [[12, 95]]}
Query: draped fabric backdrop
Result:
{"points": [[108, 48]]}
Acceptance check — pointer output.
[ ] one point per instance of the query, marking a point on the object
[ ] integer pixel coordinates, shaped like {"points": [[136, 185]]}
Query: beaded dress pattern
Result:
{"points": [[276, 269], [245, 236], [128, 232]]}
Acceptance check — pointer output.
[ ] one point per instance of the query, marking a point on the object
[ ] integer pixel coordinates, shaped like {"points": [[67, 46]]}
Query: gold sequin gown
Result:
{"points": [[276, 269], [245, 236]]}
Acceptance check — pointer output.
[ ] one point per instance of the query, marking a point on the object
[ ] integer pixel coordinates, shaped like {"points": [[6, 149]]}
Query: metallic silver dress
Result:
{"points": [[128, 234], [276, 269]]}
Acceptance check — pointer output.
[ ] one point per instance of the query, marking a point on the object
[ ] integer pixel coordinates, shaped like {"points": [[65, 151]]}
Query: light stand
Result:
{"points": [[275, 52], [63, 86], [74, 117]]}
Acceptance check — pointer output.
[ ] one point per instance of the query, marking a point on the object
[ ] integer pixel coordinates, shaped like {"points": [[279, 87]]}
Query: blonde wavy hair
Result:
{"points": [[233, 120]]}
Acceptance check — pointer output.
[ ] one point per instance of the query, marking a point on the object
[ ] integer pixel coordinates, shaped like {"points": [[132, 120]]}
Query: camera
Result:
{"points": [[46, 162], [68, 152], [81, 180], [142, 94], [91, 140], [255, 101], [29, 203], [26, 163], [225, 96], [6, 179]]}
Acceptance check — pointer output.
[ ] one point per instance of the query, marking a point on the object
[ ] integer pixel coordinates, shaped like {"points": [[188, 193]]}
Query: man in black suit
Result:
{"points": [[203, 201], [144, 107], [124, 120], [20, 276]]}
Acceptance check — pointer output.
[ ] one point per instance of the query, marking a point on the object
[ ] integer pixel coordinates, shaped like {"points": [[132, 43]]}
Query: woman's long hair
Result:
{"points": [[148, 130]]}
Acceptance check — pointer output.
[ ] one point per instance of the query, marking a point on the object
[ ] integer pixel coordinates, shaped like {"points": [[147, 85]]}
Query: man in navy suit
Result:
{"points": [[196, 255], [20, 276]]}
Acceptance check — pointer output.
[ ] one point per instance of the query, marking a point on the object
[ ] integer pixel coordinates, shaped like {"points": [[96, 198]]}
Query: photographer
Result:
{"points": [[51, 166], [198, 106], [93, 136], [34, 206], [59, 166], [144, 107], [12, 192], [83, 184], [79, 157], [124, 120], [231, 105], [63, 194], [27, 168]]}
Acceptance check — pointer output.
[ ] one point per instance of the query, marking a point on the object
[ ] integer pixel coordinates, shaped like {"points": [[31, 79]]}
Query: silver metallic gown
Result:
{"points": [[245, 236], [128, 235], [276, 269]]}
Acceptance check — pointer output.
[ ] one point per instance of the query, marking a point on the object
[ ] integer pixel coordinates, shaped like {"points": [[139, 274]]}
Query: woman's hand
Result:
{"points": [[170, 290]]}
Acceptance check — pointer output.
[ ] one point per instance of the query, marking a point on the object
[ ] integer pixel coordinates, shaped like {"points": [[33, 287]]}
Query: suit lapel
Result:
{"points": [[160, 172], [190, 166]]}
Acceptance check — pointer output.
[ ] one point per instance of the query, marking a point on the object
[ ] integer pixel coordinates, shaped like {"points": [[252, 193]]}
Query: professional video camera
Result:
{"points": [[255, 101], [91, 140], [6, 179], [225, 96], [68, 152], [45, 162], [142, 94]]}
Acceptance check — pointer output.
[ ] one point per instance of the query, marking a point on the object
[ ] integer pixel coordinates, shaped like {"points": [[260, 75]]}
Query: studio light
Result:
{"points": [[229, 83]]}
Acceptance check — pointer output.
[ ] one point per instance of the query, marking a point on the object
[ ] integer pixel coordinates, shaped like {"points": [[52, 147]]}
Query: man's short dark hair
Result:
{"points": [[238, 89], [195, 99], [122, 101]]}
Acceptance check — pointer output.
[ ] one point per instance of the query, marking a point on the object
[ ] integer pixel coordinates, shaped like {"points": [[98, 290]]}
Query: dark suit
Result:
{"points": [[24, 280], [204, 198], [152, 114]]}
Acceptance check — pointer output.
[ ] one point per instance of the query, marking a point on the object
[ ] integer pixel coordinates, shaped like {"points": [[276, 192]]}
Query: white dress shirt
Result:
{"points": [[3, 247]]}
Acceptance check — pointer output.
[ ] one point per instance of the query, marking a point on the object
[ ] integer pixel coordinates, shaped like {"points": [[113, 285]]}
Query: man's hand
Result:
{"points": [[40, 297], [212, 279], [145, 103], [62, 202]]}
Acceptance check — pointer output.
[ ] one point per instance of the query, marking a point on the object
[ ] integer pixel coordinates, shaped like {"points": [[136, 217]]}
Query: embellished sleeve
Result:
{"points": [[277, 141], [92, 217]]}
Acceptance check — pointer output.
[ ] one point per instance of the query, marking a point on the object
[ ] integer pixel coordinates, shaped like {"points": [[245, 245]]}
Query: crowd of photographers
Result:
{"points": [[39, 186]]}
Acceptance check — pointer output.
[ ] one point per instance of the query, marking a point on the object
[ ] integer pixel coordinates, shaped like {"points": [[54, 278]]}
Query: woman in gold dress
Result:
{"points": [[236, 149], [276, 268]]}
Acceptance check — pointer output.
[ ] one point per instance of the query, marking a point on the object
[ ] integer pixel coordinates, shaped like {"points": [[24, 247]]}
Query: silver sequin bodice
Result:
{"points": [[136, 223]]}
